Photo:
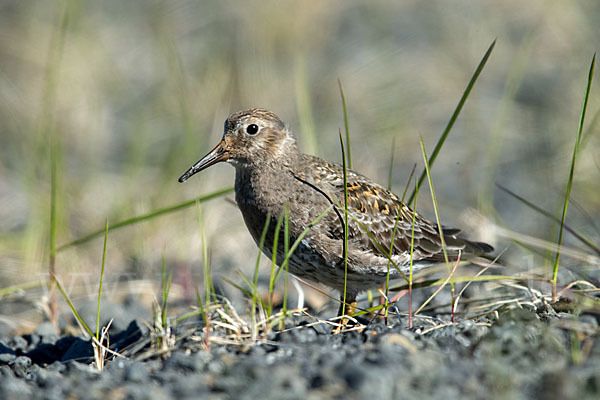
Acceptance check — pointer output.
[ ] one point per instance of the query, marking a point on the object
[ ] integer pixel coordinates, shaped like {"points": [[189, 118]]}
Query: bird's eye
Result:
{"points": [[252, 129]]}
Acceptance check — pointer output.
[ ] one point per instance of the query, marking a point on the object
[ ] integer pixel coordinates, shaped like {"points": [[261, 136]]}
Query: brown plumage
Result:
{"points": [[271, 173]]}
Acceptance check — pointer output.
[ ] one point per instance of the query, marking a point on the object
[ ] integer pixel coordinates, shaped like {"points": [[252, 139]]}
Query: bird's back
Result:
{"points": [[377, 218]]}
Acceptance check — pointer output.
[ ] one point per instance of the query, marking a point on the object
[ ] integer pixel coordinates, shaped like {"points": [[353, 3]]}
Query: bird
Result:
{"points": [[274, 178]]}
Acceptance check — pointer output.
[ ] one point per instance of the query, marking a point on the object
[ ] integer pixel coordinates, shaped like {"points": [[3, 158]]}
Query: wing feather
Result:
{"points": [[374, 209]]}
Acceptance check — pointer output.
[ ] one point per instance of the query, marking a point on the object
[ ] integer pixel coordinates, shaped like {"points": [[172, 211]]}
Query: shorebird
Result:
{"points": [[271, 174]]}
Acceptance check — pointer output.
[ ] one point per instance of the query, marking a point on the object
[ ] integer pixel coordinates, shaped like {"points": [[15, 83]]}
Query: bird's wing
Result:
{"points": [[374, 211]]}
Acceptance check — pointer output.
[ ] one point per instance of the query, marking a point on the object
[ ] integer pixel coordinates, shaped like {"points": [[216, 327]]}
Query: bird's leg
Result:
{"points": [[347, 308]]}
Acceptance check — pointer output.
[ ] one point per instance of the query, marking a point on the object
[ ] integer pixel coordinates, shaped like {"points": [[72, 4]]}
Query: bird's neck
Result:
{"points": [[263, 185]]}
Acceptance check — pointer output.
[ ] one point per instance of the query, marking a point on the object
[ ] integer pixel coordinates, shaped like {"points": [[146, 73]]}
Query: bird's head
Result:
{"points": [[250, 137]]}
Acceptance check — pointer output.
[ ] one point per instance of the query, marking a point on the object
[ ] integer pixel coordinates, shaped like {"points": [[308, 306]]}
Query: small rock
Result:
{"points": [[136, 372], [13, 388], [397, 339], [353, 375], [7, 357], [19, 343], [47, 330], [78, 350], [57, 366], [23, 362], [81, 369]]}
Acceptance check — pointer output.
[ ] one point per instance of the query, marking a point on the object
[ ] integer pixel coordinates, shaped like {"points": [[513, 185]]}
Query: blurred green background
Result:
{"points": [[133, 92]]}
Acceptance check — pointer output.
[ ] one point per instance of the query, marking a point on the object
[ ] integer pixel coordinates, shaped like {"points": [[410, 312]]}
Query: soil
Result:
{"points": [[517, 353]]}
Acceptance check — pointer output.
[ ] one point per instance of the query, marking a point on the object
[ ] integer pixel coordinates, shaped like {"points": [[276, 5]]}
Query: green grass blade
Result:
{"points": [[412, 249], [53, 226], [166, 287], [370, 310], [253, 292], [286, 232], [273, 277], [590, 130], [248, 282], [462, 279], [304, 106], [254, 285], [437, 213], [457, 111], [389, 264], [101, 281], [434, 200], [301, 236], [47, 137], [73, 309], [546, 214], [381, 249], [391, 170], [20, 287], [345, 244], [571, 176], [263, 237], [508, 102], [148, 216], [208, 285], [346, 126], [53, 179], [187, 315], [246, 292], [285, 265], [412, 173], [199, 301]]}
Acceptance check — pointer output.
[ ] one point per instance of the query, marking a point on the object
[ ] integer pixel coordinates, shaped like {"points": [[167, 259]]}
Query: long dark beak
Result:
{"points": [[216, 155]]}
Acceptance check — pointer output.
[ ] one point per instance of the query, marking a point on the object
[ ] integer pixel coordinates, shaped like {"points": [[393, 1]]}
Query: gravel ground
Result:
{"points": [[521, 354]]}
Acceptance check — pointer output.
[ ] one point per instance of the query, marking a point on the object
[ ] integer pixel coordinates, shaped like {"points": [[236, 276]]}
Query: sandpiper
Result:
{"points": [[272, 174]]}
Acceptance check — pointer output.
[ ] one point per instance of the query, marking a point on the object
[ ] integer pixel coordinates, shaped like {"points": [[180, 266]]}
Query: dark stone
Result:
{"points": [[317, 381], [47, 331], [13, 388], [23, 362], [49, 353], [79, 350], [353, 375], [57, 366], [6, 354], [136, 372], [132, 334]]}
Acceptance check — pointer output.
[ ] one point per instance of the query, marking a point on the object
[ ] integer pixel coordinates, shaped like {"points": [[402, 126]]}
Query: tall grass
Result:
{"points": [[166, 279], [53, 226], [209, 290], [304, 105], [101, 336], [255, 295], [579, 236], [347, 127], [101, 280], [148, 216], [285, 266], [345, 227], [493, 149], [571, 176], [454, 116], [434, 200], [412, 249], [273, 275], [391, 169], [48, 134], [290, 251], [391, 253], [437, 213]]}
